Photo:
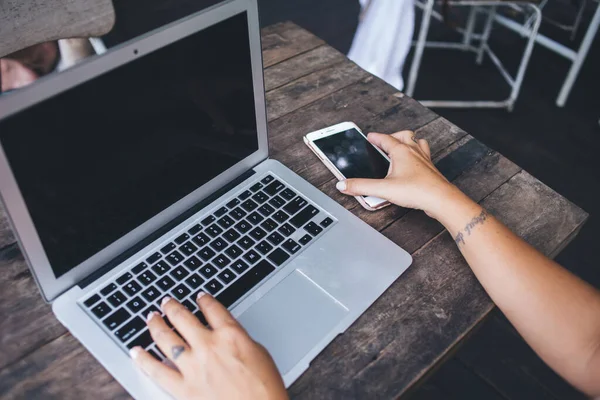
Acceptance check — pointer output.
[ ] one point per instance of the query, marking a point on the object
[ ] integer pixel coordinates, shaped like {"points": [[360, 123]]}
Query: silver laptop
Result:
{"points": [[145, 172]]}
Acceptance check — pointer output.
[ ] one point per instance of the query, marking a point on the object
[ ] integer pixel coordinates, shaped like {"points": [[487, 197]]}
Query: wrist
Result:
{"points": [[449, 203]]}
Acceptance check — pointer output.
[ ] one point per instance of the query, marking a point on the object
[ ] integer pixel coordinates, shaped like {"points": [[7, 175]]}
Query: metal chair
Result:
{"points": [[469, 37]]}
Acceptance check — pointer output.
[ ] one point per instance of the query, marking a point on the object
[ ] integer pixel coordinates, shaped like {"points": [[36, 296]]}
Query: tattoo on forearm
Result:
{"points": [[478, 220], [176, 351]]}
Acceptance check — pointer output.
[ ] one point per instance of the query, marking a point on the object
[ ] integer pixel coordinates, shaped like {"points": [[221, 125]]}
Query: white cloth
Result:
{"points": [[383, 38]]}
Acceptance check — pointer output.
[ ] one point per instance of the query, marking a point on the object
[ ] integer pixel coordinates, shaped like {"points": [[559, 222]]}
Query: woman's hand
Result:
{"points": [[220, 362], [412, 180]]}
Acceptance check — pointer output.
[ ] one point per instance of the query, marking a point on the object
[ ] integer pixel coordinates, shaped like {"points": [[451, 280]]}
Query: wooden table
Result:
{"points": [[413, 326]]}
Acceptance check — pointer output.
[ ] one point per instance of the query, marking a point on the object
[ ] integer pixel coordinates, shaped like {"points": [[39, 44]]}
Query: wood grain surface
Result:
{"points": [[408, 330]]}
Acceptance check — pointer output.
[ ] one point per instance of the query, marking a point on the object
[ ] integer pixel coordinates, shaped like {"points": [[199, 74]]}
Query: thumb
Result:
{"points": [[363, 187]]}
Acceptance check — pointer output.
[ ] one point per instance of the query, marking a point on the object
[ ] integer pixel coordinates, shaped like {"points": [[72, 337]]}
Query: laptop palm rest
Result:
{"points": [[292, 318]]}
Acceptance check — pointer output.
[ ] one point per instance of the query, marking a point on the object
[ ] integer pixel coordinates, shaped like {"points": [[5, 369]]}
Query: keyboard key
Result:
{"points": [[260, 197], [200, 317], [130, 329], [214, 230], [257, 233], [246, 242], [188, 249], [264, 247], [266, 210], [166, 249], [149, 309], [213, 286], [243, 226], [139, 268], [147, 278], [313, 228], [153, 258], [206, 253], [291, 246], [101, 309], [151, 294], [295, 205], [304, 216], [194, 281], [92, 300], [267, 179], [195, 229], [280, 216], [226, 276], [256, 187], [277, 202], [179, 273], [124, 278], [208, 220], [132, 288], [233, 251], [255, 218], [208, 271], [326, 222], [288, 194], [136, 304], [239, 266], [274, 188], [251, 256], [231, 235], [249, 205], [182, 238], [305, 239], [245, 195], [174, 258], [232, 203], [165, 283], [189, 305], [108, 289], [192, 263], [221, 211], [226, 222], [154, 354], [278, 256], [221, 261], [286, 230], [143, 340], [116, 299], [238, 214], [180, 291], [245, 283], [269, 225], [116, 318], [218, 244], [201, 239], [161, 267], [275, 238]]}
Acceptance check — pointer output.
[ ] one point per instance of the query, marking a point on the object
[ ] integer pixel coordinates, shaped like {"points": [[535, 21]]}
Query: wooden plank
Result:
{"points": [[286, 40], [311, 88], [6, 234], [301, 65], [26, 322]]}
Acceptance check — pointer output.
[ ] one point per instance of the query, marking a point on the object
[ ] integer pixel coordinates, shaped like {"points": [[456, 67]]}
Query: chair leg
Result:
{"points": [[420, 46], [487, 30]]}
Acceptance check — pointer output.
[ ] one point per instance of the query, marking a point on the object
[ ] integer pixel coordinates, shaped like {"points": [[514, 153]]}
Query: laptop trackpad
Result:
{"points": [[291, 319]]}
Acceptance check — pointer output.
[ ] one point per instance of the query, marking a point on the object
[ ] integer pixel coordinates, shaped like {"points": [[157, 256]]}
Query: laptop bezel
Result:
{"points": [[29, 241]]}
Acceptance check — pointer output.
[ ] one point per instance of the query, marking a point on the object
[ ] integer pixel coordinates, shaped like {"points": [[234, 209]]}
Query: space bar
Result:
{"points": [[245, 283]]}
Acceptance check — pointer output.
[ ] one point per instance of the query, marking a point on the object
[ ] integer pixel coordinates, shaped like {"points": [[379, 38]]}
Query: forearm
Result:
{"points": [[557, 313]]}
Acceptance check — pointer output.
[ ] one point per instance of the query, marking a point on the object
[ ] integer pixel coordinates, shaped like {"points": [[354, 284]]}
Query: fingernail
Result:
{"points": [[151, 315], [200, 295], [341, 186], [135, 352], [165, 301]]}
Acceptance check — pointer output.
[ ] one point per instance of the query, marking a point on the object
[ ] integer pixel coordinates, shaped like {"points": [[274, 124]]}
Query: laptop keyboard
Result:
{"points": [[225, 253]]}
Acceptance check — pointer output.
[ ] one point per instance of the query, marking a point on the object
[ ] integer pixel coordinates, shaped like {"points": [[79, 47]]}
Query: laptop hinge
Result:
{"points": [[163, 230]]}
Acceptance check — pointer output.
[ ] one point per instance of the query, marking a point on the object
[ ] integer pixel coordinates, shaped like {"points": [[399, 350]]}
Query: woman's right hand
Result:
{"points": [[412, 180]]}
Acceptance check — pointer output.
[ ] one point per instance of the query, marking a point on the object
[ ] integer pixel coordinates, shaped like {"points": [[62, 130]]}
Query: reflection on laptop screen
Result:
{"points": [[98, 160]]}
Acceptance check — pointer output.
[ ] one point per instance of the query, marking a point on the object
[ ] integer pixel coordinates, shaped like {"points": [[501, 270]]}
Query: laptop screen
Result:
{"points": [[98, 160]]}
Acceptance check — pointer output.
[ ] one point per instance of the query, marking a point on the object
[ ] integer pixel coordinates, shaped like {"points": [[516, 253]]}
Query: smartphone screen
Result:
{"points": [[353, 155]]}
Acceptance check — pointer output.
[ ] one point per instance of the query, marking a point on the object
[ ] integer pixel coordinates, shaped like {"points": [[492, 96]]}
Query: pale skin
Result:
{"points": [[557, 313]]}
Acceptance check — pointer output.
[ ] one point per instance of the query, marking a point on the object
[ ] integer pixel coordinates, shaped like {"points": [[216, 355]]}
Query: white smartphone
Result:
{"points": [[347, 153]]}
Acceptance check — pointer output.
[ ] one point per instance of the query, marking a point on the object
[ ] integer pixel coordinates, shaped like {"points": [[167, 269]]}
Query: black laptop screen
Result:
{"points": [[98, 160]]}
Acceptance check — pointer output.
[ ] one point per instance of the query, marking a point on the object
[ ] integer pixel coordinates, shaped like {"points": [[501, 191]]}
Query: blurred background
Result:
{"points": [[558, 145]]}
